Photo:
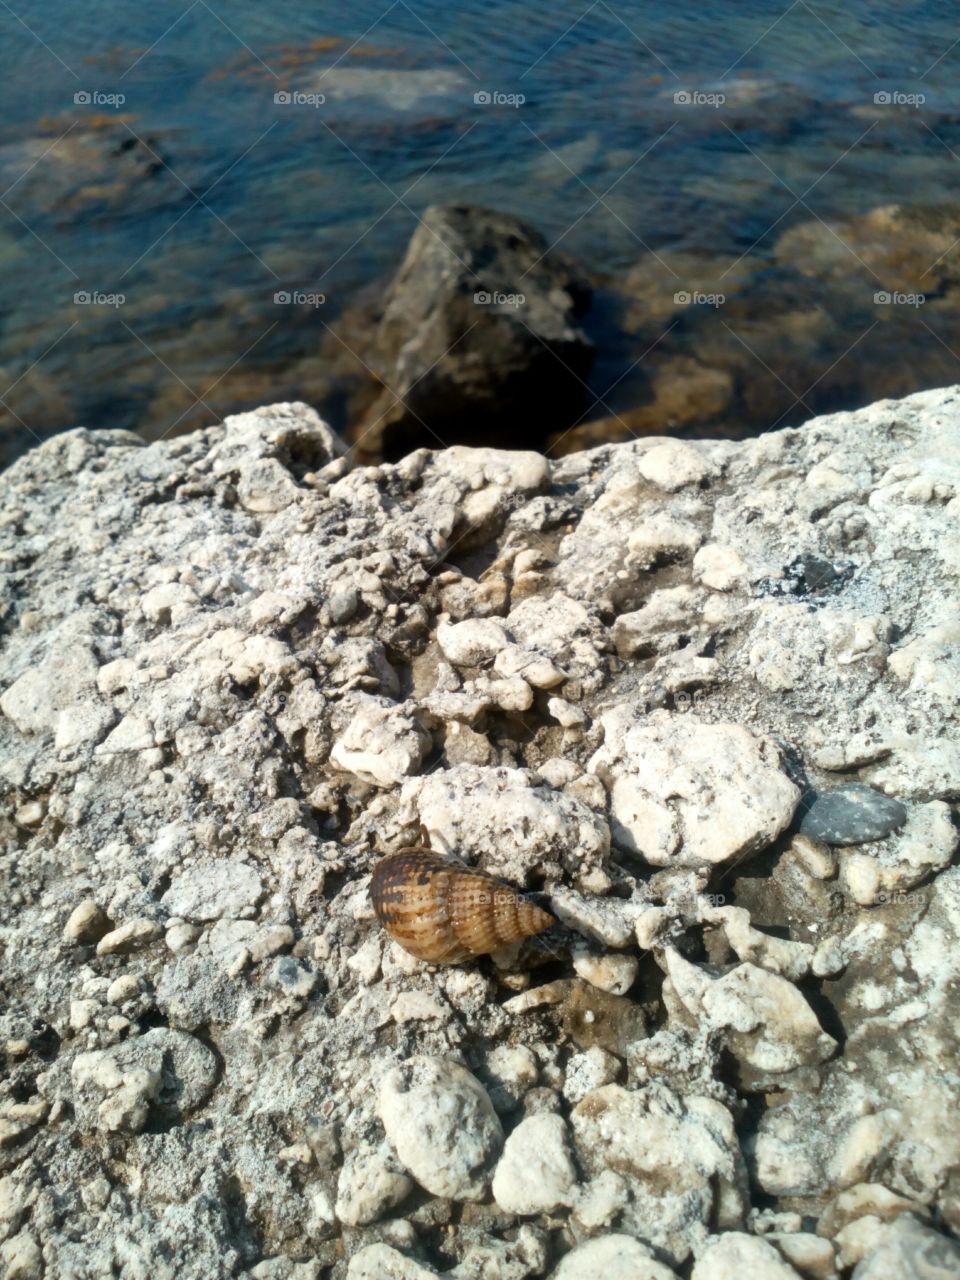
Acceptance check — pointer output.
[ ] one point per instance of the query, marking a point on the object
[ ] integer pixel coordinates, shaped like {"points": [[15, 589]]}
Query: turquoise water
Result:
{"points": [[148, 162]]}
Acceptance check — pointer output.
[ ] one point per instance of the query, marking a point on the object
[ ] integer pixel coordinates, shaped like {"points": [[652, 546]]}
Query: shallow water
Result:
{"points": [[185, 208]]}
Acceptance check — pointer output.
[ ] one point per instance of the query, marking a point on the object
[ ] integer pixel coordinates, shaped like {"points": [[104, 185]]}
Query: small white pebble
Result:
{"points": [[181, 936], [122, 989]]}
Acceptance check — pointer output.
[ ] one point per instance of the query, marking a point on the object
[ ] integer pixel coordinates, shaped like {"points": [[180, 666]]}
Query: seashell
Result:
{"points": [[442, 911]]}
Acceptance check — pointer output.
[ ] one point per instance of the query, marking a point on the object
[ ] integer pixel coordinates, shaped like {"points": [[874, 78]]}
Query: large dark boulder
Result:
{"points": [[477, 339]]}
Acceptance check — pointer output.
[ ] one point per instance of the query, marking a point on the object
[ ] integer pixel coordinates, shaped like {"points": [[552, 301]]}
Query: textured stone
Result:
{"points": [[851, 814], [442, 1124], [688, 793], [212, 890], [676, 1157], [613, 1257], [736, 1255], [535, 1173]]}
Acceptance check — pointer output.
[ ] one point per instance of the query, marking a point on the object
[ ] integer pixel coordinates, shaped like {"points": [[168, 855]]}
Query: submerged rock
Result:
{"points": [[478, 338]]}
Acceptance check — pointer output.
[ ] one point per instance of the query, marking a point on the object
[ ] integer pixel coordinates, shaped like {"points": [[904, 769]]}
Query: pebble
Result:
{"points": [[87, 923], [510, 1072], [30, 814], [673, 464], [662, 536], [536, 669], [114, 1089], [122, 989], [687, 793], [181, 936], [605, 920], [612, 1257], [614, 973], [266, 942], [417, 1006], [442, 1125], [82, 1013], [21, 1258], [382, 743], [736, 1255], [365, 962], [535, 1174], [132, 934], [567, 714], [588, 1071], [472, 642], [343, 603], [718, 567], [370, 1183], [558, 772], [381, 1262], [813, 1257], [84, 723], [30, 1113], [290, 977], [851, 814]]}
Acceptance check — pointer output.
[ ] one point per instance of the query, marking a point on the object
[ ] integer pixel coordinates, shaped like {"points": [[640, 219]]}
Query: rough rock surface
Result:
{"points": [[237, 669]]}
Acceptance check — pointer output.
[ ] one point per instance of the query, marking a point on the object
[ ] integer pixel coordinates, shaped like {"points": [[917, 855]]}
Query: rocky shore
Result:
{"points": [[700, 696]]}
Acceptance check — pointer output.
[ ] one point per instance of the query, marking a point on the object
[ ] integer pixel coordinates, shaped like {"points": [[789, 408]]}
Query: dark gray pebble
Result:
{"points": [[851, 814]]}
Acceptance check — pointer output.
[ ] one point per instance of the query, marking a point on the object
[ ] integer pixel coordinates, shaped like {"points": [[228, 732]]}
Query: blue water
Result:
{"points": [[199, 197]]}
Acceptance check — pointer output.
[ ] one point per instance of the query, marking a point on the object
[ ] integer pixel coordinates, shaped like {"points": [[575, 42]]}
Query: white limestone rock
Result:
{"points": [[382, 1262], [381, 742], [673, 463], [766, 1020], [535, 1173], [680, 1158], [612, 1257], [371, 1182], [688, 793], [471, 642], [498, 819], [735, 1255], [443, 1126], [193, 625]]}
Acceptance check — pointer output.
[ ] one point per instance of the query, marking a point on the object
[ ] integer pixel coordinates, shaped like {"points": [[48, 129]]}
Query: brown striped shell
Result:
{"points": [[444, 912]]}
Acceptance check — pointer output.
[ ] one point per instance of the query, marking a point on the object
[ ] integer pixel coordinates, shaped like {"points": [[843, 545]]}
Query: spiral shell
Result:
{"points": [[444, 912]]}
